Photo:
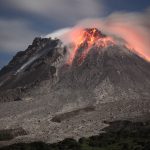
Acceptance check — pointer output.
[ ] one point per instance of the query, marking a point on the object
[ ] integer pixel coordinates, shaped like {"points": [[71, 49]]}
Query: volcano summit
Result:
{"points": [[54, 91]]}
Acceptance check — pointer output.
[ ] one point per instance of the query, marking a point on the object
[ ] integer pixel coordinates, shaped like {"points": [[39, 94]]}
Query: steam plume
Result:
{"points": [[133, 28]]}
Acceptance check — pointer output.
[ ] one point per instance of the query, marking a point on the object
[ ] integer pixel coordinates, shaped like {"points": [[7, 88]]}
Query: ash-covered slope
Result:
{"points": [[115, 72], [98, 66], [54, 94], [30, 67]]}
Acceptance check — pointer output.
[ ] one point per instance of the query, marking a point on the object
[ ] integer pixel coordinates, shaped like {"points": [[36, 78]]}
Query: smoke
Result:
{"points": [[58, 33], [133, 28]]}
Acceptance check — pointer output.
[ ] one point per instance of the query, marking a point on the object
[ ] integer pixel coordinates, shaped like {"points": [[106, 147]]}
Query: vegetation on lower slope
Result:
{"points": [[120, 135]]}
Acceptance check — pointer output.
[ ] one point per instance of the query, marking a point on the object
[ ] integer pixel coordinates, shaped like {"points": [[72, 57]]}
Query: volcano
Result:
{"points": [[54, 91]]}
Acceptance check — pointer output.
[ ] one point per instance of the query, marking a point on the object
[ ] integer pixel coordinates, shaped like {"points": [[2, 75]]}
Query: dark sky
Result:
{"points": [[22, 20]]}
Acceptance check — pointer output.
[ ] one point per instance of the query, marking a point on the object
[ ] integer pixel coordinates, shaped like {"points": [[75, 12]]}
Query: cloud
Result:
{"points": [[15, 35], [59, 10]]}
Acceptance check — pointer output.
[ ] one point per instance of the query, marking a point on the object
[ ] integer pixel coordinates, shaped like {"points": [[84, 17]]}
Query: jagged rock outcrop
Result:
{"points": [[30, 67]]}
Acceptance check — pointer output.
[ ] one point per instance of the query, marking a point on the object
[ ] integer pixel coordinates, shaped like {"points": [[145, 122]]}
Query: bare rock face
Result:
{"points": [[30, 67], [41, 87]]}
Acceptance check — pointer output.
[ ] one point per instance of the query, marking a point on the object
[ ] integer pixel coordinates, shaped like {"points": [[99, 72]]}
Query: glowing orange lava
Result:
{"points": [[77, 38], [87, 38]]}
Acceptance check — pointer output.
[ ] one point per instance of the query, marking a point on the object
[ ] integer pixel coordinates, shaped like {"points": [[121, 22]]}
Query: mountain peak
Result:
{"points": [[94, 57], [85, 40]]}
